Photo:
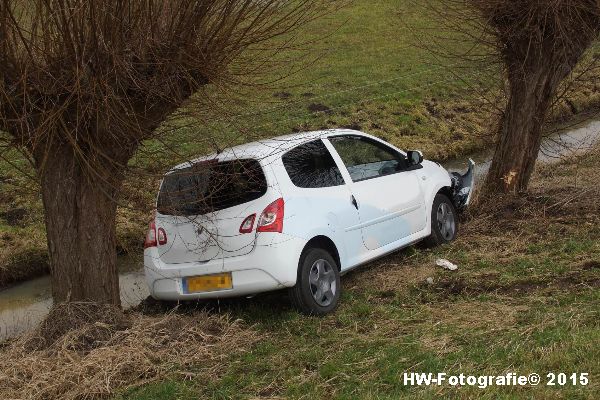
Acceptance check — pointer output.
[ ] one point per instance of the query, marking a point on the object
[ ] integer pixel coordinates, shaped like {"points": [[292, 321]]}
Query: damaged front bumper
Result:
{"points": [[462, 186]]}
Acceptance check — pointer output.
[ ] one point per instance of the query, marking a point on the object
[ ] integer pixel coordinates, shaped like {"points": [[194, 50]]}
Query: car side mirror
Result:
{"points": [[415, 157]]}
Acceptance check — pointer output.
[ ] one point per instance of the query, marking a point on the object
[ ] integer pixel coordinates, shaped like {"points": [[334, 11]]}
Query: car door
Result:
{"points": [[322, 193], [388, 195]]}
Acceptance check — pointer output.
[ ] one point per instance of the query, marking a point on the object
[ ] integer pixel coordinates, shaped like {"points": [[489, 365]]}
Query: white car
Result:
{"points": [[295, 212]]}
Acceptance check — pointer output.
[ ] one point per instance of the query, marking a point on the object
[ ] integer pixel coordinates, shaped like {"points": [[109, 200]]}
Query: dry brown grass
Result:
{"points": [[480, 315], [86, 352]]}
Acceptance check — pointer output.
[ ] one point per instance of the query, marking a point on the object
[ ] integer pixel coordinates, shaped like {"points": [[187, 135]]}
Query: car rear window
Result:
{"points": [[211, 186], [310, 165]]}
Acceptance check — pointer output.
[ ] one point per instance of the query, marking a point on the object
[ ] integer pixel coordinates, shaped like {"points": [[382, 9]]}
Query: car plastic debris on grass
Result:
{"points": [[440, 262]]}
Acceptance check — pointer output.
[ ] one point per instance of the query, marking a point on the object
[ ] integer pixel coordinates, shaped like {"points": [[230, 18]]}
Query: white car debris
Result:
{"points": [[441, 262]]}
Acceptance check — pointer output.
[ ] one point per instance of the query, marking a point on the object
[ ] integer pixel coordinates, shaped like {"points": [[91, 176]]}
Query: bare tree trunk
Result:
{"points": [[520, 132], [533, 84], [80, 217]]}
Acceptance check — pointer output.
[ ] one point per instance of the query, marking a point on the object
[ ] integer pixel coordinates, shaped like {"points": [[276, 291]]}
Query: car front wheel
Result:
{"points": [[317, 290], [444, 222]]}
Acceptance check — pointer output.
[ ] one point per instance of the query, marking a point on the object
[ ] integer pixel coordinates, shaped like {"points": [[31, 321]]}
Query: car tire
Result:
{"points": [[317, 289], [444, 222]]}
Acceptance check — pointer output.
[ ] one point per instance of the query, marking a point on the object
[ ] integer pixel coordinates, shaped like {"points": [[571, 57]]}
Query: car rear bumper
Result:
{"points": [[273, 264]]}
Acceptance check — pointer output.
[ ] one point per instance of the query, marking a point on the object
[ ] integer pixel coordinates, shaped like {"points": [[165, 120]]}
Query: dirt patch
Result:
{"points": [[125, 352], [431, 107], [276, 302], [590, 265], [6, 197], [353, 126], [282, 95], [475, 285], [318, 107], [15, 216]]}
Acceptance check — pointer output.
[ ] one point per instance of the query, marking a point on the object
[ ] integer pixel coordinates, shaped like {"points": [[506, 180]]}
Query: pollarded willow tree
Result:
{"points": [[538, 43], [84, 83]]}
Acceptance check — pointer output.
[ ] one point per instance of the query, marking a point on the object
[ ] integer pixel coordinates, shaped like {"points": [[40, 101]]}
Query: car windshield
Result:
{"points": [[211, 186]]}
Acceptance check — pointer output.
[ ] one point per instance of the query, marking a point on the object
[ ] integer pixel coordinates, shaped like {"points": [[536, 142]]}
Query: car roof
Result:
{"points": [[268, 148]]}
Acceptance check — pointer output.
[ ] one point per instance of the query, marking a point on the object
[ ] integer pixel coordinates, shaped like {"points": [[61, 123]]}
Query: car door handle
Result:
{"points": [[353, 201]]}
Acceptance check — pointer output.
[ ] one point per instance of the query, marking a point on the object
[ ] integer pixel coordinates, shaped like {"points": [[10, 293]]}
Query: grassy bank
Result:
{"points": [[363, 72], [524, 299]]}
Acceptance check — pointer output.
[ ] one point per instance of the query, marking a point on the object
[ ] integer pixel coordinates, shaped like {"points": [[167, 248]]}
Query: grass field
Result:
{"points": [[365, 70]]}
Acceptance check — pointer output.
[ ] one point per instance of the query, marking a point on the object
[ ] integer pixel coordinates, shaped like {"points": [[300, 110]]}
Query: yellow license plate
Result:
{"points": [[207, 283]]}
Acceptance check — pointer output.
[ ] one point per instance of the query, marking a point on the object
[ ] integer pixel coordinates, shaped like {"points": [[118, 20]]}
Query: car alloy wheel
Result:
{"points": [[446, 221], [317, 290], [322, 282]]}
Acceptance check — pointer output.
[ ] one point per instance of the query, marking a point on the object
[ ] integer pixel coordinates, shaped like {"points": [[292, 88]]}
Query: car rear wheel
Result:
{"points": [[317, 290], [444, 222]]}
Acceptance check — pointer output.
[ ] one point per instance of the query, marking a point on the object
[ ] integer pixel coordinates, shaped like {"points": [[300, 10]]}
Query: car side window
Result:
{"points": [[366, 158], [310, 165]]}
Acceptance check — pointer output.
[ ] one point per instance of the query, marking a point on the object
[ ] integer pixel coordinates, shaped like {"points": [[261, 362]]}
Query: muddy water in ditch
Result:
{"points": [[554, 148], [24, 305]]}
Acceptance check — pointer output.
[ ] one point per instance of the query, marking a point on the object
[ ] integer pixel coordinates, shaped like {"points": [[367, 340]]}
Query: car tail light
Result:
{"points": [[271, 219], [162, 236], [248, 224], [151, 236]]}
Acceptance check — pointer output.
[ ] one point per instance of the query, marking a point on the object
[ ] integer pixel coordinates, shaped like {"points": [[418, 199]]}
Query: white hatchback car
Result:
{"points": [[295, 212]]}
